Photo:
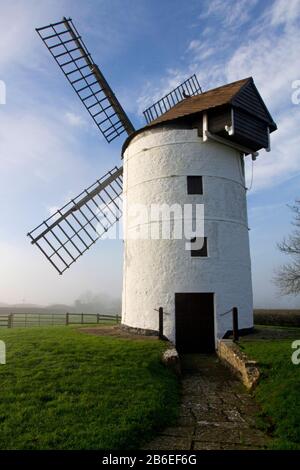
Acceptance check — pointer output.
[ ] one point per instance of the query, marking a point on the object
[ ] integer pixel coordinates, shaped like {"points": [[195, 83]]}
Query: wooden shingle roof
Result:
{"points": [[207, 100], [239, 94]]}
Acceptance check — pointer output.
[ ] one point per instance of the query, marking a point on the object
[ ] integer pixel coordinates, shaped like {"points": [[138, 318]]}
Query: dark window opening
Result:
{"points": [[200, 248], [194, 185]]}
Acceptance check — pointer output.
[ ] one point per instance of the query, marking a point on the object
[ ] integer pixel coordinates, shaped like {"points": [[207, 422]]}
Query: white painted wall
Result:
{"points": [[156, 164]]}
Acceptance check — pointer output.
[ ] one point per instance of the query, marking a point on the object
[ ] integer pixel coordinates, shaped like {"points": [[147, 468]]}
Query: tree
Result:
{"points": [[287, 277]]}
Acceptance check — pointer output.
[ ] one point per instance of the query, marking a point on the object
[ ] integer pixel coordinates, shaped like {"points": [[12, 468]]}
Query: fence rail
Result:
{"points": [[14, 320]]}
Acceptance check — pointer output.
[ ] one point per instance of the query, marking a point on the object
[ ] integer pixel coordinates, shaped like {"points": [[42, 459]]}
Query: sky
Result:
{"points": [[50, 149]]}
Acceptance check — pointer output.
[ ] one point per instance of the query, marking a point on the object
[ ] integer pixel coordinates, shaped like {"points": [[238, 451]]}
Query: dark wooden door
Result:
{"points": [[195, 330]]}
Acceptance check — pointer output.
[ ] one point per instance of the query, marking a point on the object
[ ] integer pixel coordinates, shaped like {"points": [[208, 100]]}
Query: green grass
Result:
{"points": [[278, 391], [63, 389]]}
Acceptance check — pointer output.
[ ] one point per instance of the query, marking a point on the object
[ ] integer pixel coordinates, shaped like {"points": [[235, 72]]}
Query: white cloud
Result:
{"points": [[201, 49], [284, 12], [74, 119], [33, 145], [284, 159], [200, 52], [193, 45], [273, 60], [52, 209], [64, 200], [232, 13], [19, 43], [150, 94], [270, 55]]}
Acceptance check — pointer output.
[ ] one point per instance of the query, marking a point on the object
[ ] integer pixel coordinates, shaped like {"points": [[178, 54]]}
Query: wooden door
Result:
{"points": [[194, 313]]}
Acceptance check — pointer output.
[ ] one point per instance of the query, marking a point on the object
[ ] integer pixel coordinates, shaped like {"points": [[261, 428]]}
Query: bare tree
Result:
{"points": [[287, 278]]}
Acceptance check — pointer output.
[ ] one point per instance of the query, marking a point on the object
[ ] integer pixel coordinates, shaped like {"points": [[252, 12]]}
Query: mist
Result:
{"points": [[97, 303]]}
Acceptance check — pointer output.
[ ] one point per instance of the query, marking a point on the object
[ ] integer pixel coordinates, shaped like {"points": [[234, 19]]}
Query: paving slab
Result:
{"points": [[216, 411]]}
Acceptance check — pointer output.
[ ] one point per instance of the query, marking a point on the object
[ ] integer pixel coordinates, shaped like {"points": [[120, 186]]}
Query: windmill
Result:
{"points": [[191, 144]]}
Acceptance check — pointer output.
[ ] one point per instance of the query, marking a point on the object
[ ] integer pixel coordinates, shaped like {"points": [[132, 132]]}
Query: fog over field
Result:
{"points": [[88, 302]]}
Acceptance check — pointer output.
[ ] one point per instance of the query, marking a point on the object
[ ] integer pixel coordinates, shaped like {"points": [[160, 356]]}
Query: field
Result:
{"points": [[64, 389], [278, 389], [281, 317]]}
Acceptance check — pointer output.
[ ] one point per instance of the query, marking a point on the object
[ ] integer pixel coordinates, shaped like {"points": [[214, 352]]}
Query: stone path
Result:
{"points": [[216, 411]]}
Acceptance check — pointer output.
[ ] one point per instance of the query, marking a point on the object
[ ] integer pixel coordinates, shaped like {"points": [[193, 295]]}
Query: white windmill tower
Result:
{"points": [[191, 152]]}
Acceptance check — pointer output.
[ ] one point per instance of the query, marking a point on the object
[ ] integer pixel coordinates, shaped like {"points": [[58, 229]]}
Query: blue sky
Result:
{"points": [[50, 149]]}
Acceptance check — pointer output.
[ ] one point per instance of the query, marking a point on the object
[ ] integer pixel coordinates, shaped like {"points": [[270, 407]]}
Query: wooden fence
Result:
{"points": [[14, 320]]}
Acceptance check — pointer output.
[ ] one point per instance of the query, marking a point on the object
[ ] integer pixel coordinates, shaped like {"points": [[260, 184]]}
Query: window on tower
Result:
{"points": [[199, 247], [194, 185]]}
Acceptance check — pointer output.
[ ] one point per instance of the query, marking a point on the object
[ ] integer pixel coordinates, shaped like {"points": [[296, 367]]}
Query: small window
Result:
{"points": [[194, 185], [202, 250]]}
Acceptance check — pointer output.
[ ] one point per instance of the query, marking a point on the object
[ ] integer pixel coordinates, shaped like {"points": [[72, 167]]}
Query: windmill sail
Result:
{"points": [[70, 53], [74, 228], [189, 87]]}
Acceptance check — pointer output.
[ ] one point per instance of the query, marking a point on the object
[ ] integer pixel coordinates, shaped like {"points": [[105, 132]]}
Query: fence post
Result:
{"points": [[98, 317], [235, 324], [82, 318], [160, 323], [10, 320], [67, 318]]}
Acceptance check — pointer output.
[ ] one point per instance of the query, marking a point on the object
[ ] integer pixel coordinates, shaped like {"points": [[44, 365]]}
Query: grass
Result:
{"points": [[278, 391], [63, 389]]}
